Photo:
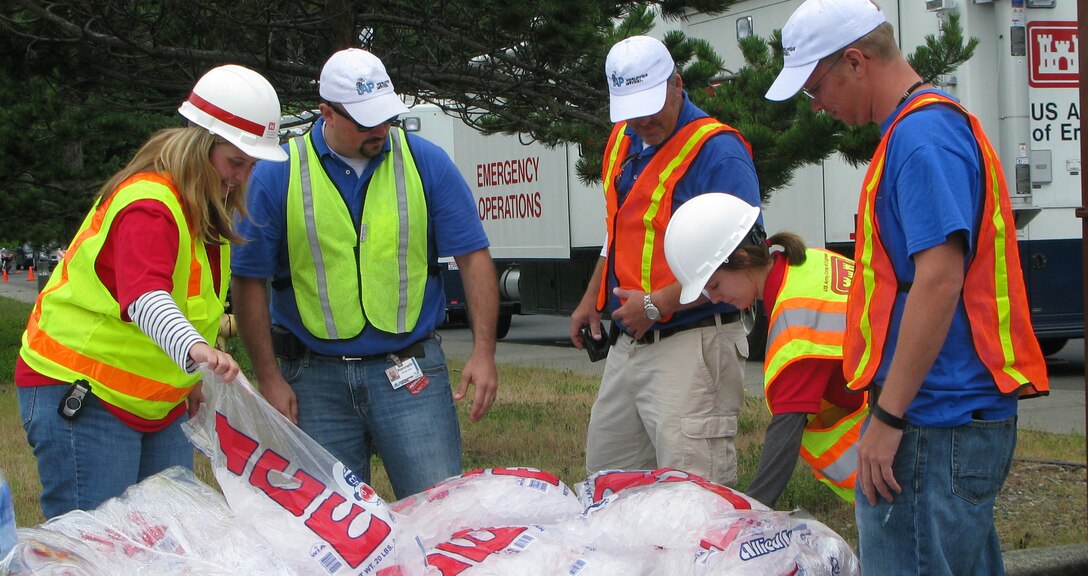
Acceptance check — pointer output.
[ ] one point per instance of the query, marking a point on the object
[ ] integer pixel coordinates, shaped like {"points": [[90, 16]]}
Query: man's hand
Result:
{"points": [[876, 451], [632, 313], [480, 372], [280, 395], [585, 314]]}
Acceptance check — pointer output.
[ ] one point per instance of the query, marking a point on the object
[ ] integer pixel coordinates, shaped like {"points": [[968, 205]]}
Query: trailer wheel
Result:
{"points": [[503, 327]]}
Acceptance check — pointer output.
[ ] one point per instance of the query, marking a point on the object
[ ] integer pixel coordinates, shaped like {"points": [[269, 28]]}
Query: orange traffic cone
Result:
{"points": [[5, 274], [30, 274]]}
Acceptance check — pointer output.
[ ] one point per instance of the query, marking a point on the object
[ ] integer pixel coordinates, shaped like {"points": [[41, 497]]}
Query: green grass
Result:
{"points": [[540, 421]]}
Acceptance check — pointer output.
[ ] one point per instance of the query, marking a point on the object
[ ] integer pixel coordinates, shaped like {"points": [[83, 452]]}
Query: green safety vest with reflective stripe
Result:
{"points": [[76, 330], [343, 276], [807, 322]]}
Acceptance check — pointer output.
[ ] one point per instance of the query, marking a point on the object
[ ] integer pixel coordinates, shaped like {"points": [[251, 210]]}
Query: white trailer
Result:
{"points": [[546, 228], [544, 225]]}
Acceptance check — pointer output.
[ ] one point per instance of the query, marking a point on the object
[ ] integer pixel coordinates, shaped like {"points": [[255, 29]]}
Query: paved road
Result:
{"points": [[542, 341]]}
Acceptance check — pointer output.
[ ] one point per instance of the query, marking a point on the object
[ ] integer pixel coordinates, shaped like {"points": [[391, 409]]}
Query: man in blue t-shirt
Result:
{"points": [[939, 442], [673, 383], [339, 281]]}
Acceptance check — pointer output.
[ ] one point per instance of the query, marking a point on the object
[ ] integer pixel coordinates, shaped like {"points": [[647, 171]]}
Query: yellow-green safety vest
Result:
{"points": [[344, 277], [807, 321], [75, 330]]}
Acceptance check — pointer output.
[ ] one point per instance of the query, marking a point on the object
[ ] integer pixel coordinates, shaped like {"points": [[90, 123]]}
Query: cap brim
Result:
{"points": [[644, 103], [789, 81], [376, 110]]}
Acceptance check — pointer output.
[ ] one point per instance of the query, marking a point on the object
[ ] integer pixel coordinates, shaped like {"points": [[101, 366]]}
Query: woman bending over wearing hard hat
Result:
{"points": [[716, 250], [108, 367]]}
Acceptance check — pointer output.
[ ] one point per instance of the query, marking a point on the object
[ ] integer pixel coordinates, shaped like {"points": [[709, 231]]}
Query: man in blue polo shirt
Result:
{"points": [[673, 384], [339, 282]]}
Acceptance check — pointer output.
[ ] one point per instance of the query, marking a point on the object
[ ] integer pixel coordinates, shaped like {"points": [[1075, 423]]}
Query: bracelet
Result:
{"points": [[889, 419]]}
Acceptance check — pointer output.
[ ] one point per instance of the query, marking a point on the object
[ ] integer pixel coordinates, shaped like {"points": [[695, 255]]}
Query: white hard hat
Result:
{"points": [[702, 233], [241, 106]]}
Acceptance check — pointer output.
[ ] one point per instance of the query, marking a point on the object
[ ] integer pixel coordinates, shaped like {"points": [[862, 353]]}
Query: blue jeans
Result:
{"points": [[86, 461], [943, 521], [350, 408]]}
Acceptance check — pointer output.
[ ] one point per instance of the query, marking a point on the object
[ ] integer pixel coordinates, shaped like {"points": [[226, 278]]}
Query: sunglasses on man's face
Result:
{"points": [[394, 121]]}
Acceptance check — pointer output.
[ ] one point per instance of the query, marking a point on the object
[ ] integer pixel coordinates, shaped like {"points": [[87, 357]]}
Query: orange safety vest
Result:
{"points": [[807, 322], [636, 230], [76, 330], [993, 292]]}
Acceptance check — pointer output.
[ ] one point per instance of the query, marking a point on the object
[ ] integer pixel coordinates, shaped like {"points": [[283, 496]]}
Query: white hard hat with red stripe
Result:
{"points": [[702, 233], [241, 106]]}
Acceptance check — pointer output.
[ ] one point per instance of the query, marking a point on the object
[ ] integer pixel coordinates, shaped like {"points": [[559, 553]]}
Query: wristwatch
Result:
{"points": [[651, 311]]}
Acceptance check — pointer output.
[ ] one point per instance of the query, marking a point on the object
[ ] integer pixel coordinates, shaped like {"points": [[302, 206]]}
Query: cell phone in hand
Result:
{"points": [[597, 349]]}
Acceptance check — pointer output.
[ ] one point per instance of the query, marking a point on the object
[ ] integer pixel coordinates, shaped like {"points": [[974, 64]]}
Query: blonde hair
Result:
{"points": [[749, 255], [184, 154], [879, 44]]}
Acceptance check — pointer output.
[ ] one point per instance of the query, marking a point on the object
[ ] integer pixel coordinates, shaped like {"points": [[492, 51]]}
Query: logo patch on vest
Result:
{"points": [[842, 274]]}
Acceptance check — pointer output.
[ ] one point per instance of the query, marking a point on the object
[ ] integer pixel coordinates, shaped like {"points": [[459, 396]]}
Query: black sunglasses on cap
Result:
{"points": [[339, 110]]}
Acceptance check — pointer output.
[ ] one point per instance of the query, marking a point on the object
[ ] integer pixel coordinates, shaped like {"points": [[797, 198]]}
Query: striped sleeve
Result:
{"points": [[159, 317]]}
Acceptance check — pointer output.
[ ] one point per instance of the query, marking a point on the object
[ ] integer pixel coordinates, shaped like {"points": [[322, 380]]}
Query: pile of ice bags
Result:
{"points": [[288, 507]]}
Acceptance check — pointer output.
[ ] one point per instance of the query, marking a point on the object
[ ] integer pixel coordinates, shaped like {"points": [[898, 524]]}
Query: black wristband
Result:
{"points": [[889, 419]]}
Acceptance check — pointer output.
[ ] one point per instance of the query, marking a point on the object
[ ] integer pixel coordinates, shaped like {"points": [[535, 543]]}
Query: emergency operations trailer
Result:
{"points": [[546, 228]]}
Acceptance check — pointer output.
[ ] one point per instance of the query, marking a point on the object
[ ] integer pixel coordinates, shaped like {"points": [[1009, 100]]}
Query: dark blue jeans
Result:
{"points": [[84, 462], [350, 408], [943, 521]]}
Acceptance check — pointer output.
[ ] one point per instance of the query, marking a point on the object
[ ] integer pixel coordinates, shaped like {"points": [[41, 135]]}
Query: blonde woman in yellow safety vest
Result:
{"points": [[108, 368], [719, 253]]}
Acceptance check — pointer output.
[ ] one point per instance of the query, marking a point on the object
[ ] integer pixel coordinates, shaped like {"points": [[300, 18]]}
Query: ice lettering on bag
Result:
{"points": [[528, 473], [298, 492], [610, 482], [353, 550], [757, 547], [294, 495], [613, 482], [475, 546], [236, 446], [156, 536]]}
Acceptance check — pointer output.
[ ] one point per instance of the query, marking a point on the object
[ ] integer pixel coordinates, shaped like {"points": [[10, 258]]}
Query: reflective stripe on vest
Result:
{"points": [[75, 330], [809, 315], [993, 293], [831, 451], [636, 230], [807, 322], [344, 277]]}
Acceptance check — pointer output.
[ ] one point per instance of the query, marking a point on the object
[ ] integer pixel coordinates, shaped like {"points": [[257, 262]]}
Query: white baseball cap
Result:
{"points": [[638, 70], [358, 80], [819, 28]]}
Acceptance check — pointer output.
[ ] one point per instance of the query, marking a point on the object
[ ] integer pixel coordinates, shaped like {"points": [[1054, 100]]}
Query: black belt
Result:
{"points": [[415, 350], [712, 320]]}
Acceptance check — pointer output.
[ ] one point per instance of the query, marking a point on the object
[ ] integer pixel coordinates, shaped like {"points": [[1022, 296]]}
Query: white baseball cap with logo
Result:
{"points": [[358, 80], [817, 29], [638, 70]]}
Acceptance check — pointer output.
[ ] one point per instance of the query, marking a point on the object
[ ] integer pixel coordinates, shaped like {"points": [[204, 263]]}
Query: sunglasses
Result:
{"points": [[811, 92], [339, 110]]}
